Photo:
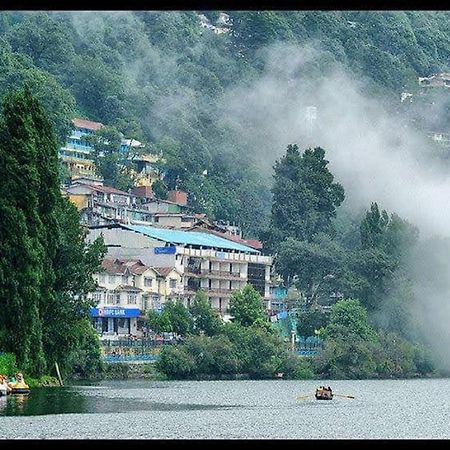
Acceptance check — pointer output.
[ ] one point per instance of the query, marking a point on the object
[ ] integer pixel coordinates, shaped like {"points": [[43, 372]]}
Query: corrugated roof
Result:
{"points": [[189, 238]]}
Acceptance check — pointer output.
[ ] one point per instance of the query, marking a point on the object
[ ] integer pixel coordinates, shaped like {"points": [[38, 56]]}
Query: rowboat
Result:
{"points": [[324, 393]]}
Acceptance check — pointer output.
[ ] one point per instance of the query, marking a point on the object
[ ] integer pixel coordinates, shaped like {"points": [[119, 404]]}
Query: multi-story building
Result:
{"points": [[205, 261], [76, 154], [126, 290], [99, 205]]}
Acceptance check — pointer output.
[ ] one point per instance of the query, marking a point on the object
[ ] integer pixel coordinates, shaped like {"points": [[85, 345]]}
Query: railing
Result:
{"points": [[137, 343], [225, 256], [214, 274], [130, 358]]}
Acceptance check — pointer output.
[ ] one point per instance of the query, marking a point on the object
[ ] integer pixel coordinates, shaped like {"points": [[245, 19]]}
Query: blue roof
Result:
{"points": [[189, 238]]}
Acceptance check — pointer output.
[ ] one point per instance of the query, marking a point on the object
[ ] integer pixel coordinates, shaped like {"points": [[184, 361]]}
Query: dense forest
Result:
{"points": [[161, 78]]}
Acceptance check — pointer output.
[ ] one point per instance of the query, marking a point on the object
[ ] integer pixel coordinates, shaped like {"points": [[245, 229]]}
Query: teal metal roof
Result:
{"points": [[189, 238]]}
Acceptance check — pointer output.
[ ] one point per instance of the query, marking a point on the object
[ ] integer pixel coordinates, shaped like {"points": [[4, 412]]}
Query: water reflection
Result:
{"points": [[67, 400]]}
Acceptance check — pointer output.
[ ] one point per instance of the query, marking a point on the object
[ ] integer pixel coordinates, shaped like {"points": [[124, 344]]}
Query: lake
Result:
{"points": [[269, 409]]}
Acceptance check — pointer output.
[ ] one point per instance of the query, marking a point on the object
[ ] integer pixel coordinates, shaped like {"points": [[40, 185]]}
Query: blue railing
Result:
{"points": [[130, 358]]}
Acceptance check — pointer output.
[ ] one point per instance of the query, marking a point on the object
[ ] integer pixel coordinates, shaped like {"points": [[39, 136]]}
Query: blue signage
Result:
{"points": [[165, 250], [115, 312]]}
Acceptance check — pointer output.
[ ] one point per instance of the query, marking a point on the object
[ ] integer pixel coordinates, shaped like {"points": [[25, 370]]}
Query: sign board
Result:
{"points": [[165, 250], [115, 312]]}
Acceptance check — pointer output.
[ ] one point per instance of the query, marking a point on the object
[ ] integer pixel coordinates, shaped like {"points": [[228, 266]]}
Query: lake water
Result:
{"points": [[230, 410]]}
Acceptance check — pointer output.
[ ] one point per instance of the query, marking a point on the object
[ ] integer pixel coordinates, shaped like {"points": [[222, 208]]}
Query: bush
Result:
{"points": [[176, 361]]}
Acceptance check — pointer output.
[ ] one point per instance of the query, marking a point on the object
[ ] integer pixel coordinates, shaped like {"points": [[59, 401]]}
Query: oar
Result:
{"points": [[345, 396], [303, 397]]}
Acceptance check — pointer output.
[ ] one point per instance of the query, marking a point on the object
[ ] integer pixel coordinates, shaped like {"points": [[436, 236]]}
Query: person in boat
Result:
{"points": [[324, 392], [20, 382], [4, 387]]}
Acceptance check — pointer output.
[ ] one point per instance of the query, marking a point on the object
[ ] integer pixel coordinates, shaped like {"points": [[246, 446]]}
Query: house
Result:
{"points": [[119, 303], [178, 197], [437, 80], [126, 289], [76, 154], [205, 261]]}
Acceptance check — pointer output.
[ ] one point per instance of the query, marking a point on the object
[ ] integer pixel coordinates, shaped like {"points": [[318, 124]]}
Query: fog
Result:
{"points": [[303, 97], [374, 154]]}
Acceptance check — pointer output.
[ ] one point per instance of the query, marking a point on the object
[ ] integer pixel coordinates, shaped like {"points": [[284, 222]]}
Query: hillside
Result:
{"points": [[162, 77]]}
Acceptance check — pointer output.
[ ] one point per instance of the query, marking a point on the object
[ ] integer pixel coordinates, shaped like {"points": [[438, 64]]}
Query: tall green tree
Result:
{"points": [[46, 267], [22, 233], [305, 197]]}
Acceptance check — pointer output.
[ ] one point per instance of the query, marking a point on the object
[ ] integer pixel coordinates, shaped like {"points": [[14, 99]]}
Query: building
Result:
{"points": [[205, 261], [437, 80], [76, 154], [178, 197], [147, 171], [100, 205], [126, 289]]}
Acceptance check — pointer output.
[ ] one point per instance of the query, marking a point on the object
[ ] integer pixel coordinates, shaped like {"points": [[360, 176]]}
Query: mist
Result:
{"points": [[373, 153], [303, 96]]}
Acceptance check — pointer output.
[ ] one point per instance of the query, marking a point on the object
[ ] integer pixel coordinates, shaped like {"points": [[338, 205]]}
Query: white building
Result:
{"points": [[205, 261], [127, 288]]}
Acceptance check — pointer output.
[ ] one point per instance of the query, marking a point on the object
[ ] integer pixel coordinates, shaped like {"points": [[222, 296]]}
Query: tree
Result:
{"points": [[373, 227], [21, 232], [317, 266], [246, 306], [160, 190], [175, 318], [310, 321], [46, 296], [159, 322], [206, 319], [349, 342], [348, 320], [305, 197], [113, 164]]}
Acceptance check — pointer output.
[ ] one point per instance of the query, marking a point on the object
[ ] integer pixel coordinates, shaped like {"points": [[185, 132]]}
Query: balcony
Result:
{"points": [[210, 292], [213, 274], [213, 255]]}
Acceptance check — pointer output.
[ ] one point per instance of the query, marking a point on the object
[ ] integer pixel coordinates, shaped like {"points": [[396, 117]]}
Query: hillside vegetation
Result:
{"points": [[160, 77]]}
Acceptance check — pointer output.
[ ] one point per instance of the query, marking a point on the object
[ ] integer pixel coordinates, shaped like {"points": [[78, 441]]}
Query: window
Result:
{"points": [[172, 283], [111, 299], [132, 299], [125, 279], [148, 282], [98, 296]]}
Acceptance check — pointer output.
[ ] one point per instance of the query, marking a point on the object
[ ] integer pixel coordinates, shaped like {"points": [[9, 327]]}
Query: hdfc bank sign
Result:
{"points": [[111, 312], [115, 312]]}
